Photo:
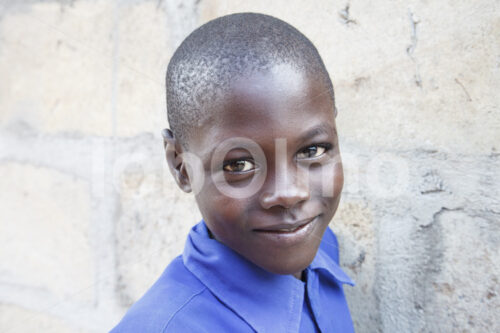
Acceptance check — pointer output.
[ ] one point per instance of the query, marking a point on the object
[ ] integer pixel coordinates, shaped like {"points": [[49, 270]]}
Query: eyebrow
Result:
{"points": [[320, 129]]}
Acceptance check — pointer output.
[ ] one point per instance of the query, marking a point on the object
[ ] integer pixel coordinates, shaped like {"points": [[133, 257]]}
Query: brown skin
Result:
{"points": [[281, 103]]}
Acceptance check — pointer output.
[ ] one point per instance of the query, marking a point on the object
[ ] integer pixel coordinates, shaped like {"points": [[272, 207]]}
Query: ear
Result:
{"points": [[176, 164]]}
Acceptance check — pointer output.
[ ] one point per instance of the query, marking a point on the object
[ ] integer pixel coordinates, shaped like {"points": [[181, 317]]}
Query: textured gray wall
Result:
{"points": [[89, 216]]}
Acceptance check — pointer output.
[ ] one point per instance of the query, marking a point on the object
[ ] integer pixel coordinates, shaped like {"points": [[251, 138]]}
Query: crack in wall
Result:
{"points": [[345, 16], [432, 183], [428, 264], [414, 21], [469, 99]]}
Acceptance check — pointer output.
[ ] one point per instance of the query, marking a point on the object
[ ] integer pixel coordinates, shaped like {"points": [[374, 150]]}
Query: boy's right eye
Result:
{"points": [[238, 166]]}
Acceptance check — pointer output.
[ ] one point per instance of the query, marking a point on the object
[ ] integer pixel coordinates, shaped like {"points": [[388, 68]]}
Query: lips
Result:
{"points": [[286, 235], [286, 227]]}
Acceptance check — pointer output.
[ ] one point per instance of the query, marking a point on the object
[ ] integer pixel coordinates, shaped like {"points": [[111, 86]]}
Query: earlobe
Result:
{"points": [[183, 179], [176, 164]]}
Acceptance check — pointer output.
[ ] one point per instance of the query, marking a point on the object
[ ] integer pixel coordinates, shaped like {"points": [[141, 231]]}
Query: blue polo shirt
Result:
{"points": [[211, 288]]}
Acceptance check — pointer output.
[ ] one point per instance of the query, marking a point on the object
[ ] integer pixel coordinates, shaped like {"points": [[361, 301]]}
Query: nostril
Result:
{"points": [[266, 200], [284, 199]]}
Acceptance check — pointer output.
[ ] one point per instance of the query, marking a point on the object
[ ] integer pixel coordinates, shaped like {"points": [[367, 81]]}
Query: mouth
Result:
{"points": [[289, 234], [286, 228]]}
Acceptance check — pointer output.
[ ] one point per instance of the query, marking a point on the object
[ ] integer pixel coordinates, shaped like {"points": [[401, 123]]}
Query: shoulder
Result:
{"points": [[176, 288], [205, 314], [330, 245]]}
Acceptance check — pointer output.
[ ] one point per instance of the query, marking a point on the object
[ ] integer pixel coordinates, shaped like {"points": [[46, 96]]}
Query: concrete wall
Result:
{"points": [[89, 216]]}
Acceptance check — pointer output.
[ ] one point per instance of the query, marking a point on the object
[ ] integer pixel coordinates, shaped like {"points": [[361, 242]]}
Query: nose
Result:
{"points": [[285, 193]]}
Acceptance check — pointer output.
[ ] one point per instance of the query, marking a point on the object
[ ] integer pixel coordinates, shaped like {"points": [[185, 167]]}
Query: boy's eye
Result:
{"points": [[238, 166], [312, 151]]}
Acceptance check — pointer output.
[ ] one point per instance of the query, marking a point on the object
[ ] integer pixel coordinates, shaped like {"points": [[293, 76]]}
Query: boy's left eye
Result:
{"points": [[312, 151], [238, 166]]}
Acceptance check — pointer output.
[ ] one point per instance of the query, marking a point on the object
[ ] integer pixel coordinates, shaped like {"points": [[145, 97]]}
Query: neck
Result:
{"points": [[210, 234], [300, 275]]}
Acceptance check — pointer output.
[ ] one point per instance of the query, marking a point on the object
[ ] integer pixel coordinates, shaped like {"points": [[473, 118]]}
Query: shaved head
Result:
{"points": [[211, 57]]}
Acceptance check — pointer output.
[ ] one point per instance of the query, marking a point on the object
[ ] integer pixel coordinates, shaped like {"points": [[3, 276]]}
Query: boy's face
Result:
{"points": [[282, 169]]}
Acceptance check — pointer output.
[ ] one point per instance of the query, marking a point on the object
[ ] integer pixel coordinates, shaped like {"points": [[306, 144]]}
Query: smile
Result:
{"points": [[286, 228], [288, 234]]}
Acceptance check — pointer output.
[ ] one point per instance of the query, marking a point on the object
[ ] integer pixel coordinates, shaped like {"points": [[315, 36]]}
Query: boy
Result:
{"points": [[252, 116]]}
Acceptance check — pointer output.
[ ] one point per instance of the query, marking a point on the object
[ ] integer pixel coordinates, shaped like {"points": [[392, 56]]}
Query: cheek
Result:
{"points": [[221, 211], [327, 181], [229, 209], [338, 179], [226, 218], [330, 198]]}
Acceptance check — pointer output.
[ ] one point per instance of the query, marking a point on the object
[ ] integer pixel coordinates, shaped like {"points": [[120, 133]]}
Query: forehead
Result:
{"points": [[280, 103]]}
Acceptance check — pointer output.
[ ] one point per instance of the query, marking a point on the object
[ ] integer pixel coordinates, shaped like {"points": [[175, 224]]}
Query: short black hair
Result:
{"points": [[212, 55]]}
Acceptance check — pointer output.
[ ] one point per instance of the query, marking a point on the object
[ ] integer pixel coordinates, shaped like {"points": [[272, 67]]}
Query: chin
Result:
{"points": [[288, 270], [288, 266]]}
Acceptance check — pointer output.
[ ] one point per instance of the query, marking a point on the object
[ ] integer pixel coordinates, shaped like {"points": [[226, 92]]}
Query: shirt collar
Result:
{"points": [[326, 259], [249, 290]]}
